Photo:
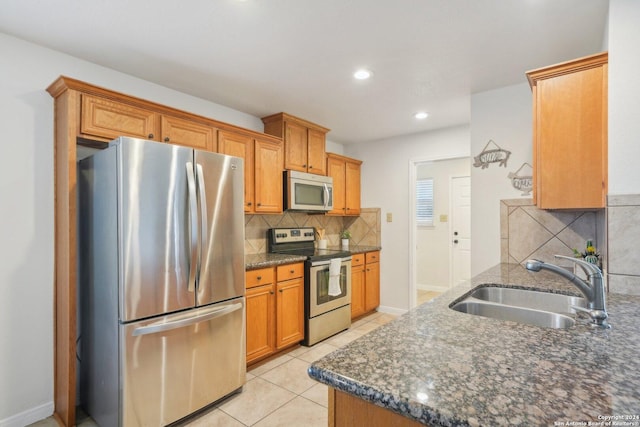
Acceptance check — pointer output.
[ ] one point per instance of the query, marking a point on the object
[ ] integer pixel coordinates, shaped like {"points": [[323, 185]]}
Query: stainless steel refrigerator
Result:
{"points": [[161, 281]]}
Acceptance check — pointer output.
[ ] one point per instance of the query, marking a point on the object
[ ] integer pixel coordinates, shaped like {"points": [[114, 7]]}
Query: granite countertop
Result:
{"points": [[445, 368], [264, 260]]}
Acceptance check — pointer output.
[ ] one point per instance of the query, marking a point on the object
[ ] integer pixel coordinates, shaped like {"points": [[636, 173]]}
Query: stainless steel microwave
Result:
{"points": [[307, 192]]}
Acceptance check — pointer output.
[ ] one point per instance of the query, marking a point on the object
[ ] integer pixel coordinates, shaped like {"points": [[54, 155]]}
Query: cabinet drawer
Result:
{"points": [[290, 271], [373, 257], [357, 259], [259, 277]]}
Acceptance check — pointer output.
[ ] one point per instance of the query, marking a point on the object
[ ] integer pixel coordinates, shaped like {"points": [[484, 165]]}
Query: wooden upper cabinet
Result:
{"points": [[109, 119], [268, 176], [174, 130], [570, 134], [304, 142], [345, 172], [238, 145]]}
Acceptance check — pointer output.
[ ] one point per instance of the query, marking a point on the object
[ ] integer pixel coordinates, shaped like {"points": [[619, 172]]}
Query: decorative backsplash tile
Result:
{"points": [[623, 228], [528, 232], [365, 229]]}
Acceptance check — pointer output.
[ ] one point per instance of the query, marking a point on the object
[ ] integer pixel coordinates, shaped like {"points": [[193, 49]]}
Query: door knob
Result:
{"points": [[455, 241], [455, 233]]}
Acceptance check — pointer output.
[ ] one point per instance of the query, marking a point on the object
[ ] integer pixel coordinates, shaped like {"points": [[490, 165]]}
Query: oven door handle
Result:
{"points": [[327, 262]]}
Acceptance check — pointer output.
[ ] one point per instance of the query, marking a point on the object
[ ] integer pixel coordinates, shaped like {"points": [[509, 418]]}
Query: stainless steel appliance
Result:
{"points": [[327, 297], [161, 277], [307, 192]]}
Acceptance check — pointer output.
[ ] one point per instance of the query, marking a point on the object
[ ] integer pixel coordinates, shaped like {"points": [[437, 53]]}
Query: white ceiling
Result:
{"points": [[266, 56]]}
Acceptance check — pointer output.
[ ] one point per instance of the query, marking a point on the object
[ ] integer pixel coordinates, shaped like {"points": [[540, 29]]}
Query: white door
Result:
{"points": [[460, 229]]}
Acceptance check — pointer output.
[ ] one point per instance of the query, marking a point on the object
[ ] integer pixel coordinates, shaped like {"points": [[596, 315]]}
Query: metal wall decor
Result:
{"points": [[491, 153], [522, 179]]}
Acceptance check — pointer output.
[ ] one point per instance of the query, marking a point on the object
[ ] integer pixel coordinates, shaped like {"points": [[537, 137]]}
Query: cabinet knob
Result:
{"points": [[249, 204], [310, 167], [150, 136], [304, 166], [166, 139], [270, 292], [292, 271], [259, 204], [280, 291], [259, 278]]}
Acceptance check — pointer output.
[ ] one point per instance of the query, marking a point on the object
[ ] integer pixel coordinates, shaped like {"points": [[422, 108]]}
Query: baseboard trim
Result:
{"points": [[433, 288], [391, 310], [29, 416]]}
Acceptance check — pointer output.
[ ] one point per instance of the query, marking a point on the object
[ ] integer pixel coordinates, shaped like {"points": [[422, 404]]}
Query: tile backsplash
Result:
{"points": [[528, 232], [623, 229], [365, 229]]}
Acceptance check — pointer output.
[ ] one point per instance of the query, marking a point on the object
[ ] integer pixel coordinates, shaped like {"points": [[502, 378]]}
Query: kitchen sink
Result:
{"points": [[545, 319], [537, 308], [526, 298]]}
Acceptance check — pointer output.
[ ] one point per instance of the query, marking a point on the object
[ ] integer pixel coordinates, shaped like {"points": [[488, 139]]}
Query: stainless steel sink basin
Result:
{"points": [[544, 309], [526, 298], [545, 319]]}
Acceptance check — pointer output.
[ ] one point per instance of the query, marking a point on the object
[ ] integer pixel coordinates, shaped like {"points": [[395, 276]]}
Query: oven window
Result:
{"points": [[322, 288], [306, 194]]}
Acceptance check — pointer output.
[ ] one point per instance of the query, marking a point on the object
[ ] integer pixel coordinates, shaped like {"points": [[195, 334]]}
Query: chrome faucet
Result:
{"points": [[593, 290]]}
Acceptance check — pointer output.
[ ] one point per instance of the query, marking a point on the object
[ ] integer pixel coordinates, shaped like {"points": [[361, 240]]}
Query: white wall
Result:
{"points": [[26, 211], [385, 184], [624, 97], [504, 116], [433, 243]]}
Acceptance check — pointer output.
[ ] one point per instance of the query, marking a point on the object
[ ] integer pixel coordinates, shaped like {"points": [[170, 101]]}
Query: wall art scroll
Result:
{"points": [[491, 153], [522, 179]]}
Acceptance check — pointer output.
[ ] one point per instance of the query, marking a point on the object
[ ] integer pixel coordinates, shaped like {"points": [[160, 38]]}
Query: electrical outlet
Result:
{"points": [[389, 217]]}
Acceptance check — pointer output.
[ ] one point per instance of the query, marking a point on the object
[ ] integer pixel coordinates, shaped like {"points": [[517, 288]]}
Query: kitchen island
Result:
{"points": [[436, 366]]}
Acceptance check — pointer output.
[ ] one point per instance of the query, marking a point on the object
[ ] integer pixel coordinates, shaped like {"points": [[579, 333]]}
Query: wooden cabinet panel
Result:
{"points": [[268, 177], [295, 148], [346, 410], [290, 312], [290, 271], [242, 146], [260, 277], [346, 184], [357, 259], [372, 257], [110, 119], [372, 286], [570, 134], [352, 188], [178, 131], [304, 142], [316, 142], [336, 170], [357, 290], [260, 306]]}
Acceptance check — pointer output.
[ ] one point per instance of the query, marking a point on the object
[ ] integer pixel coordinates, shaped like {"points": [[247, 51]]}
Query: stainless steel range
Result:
{"points": [[327, 279]]}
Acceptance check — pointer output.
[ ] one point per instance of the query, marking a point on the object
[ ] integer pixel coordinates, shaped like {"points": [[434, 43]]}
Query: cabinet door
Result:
{"points": [[188, 133], [240, 146], [571, 140], [260, 322], [295, 145], [316, 152], [268, 177], [357, 290], [336, 170], [372, 286], [290, 312], [352, 188], [110, 119]]}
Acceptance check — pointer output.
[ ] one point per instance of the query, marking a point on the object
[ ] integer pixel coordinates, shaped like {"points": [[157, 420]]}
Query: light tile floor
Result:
{"points": [[424, 296], [278, 392]]}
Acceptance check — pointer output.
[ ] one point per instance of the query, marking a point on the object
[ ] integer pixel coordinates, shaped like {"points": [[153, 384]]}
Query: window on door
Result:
{"points": [[424, 202]]}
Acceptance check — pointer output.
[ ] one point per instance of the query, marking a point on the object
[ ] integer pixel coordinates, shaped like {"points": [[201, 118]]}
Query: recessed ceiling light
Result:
{"points": [[421, 115], [362, 74]]}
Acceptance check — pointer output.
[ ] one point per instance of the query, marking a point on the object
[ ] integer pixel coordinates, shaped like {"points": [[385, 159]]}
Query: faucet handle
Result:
{"points": [[587, 267]]}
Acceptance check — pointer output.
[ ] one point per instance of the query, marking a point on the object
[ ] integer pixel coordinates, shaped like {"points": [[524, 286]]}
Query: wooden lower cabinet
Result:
{"points": [[275, 309], [365, 283], [372, 280], [346, 410]]}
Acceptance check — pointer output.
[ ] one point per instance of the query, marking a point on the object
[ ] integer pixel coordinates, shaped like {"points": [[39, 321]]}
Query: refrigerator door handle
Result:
{"points": [[202, 195], [182, 321], [193, 226]]}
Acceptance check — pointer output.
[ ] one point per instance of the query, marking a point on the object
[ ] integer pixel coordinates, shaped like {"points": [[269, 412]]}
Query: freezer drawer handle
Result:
{"points": [[167, 326]]}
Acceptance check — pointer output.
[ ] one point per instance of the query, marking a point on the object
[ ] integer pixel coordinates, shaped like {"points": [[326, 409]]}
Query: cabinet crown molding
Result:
{"points": [[566, 67]]}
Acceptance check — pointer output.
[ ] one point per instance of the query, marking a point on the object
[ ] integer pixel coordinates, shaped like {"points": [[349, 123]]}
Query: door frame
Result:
{"points": [[413, 166]]}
